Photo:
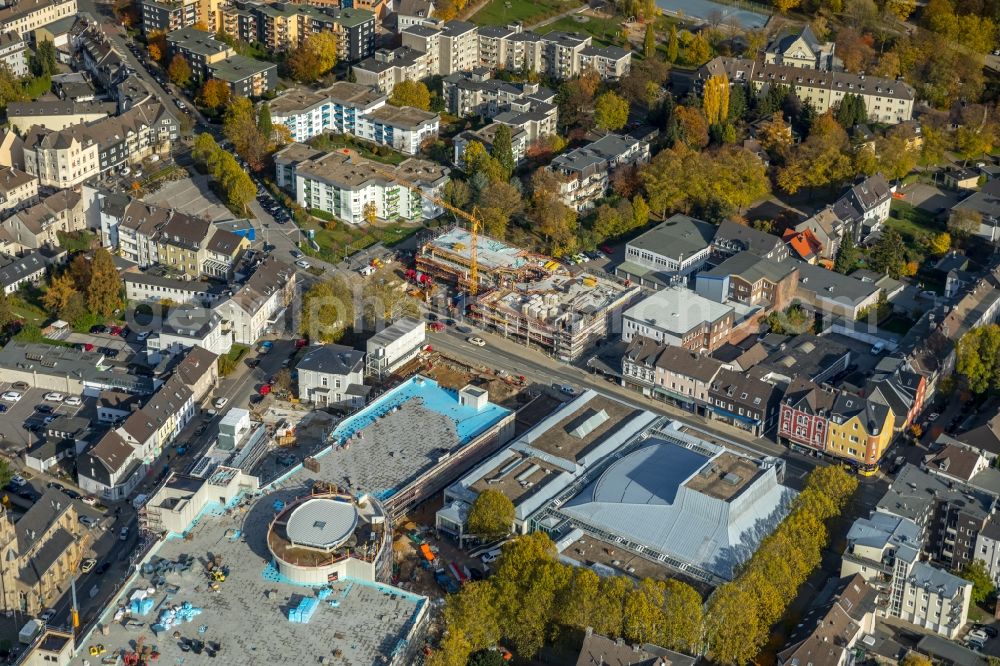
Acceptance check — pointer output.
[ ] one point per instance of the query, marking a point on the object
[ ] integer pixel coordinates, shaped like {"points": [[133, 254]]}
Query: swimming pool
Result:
{"points": [[469, 421]]}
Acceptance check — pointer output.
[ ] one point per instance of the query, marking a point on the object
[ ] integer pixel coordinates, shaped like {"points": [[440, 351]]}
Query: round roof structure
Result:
{"points": [[322, 523]]}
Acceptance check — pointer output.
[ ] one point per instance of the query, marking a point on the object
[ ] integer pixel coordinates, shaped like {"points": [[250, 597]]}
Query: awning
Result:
{"points": [[674, 396], [738, 417]]}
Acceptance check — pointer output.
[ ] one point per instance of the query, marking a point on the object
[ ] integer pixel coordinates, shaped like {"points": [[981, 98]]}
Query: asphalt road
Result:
{"points": [[500, 353]]}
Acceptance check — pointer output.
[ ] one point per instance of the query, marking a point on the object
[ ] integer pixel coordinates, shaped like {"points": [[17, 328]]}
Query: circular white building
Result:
{"points": [[318, 539]]}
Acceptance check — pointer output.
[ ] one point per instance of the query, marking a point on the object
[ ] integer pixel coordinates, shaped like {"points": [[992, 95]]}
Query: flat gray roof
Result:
{"points": [[678, 236], [677, 310]]}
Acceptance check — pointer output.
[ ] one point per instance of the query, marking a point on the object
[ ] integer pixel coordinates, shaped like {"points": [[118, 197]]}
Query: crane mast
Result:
{"points": [[471, 218]]}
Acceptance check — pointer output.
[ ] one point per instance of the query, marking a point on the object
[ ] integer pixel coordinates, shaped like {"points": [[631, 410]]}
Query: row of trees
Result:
{"points": [[236, 183], [532, 595], [253, 134], [89, 288]]}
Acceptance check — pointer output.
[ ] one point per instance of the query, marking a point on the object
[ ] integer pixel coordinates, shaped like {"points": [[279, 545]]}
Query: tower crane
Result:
{"points": [[471, 218]]}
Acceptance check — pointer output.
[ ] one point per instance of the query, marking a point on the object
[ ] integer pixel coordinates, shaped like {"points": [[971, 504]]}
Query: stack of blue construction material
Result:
{"points": [[178, 614], [140, 606], [304, 611], [324, 593]]}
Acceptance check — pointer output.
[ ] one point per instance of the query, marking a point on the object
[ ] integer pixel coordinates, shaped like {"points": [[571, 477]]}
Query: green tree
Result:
{"points": [[699, 51], [640, 212], [264, 124], [239, 125], [978, 358], [578, 604], [982, 583], [673, 46], [6, 472], [104, 293], [847, 255], [503, 150], [491, 515], [179, 71], [888, 255], [964, 222], [851, 111], [649, 42], [59, 294], [475, 613], [457, 193], [327, 310], [487, 658], [682, 618], [44, 61], [915, 659], [411, 93], [214, 94], [610, 112], [644, 612], [940, 244], [734, 625]]}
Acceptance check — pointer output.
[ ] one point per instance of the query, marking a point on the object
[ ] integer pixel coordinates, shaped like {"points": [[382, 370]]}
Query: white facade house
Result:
{"points": [[355, 109], [346, 185], [585, 173], [184, 329], [109, 469], [260, 303], [395, 345], [884, 549], [332, 375]]}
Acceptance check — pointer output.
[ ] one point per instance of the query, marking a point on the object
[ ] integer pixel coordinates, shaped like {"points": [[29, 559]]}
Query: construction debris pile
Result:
{"points": [[176, 615]]}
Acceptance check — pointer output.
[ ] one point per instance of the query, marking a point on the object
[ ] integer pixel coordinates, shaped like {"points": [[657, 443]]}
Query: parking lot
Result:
{"points": [[16, 437], [192, 196]]}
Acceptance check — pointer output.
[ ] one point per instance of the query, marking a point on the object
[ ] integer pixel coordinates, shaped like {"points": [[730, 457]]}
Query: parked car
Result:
{"points": [[11, 396], [88, 521], [102, 568], [123, 534], [88, 564], [479, 342], [73, 401], [47, 615], [20, 386], [219, 403], [43, 409], [302, 263], [54, 396], [100, 328], [90, 500], [3, 408], [72, 494], [17, 481]]}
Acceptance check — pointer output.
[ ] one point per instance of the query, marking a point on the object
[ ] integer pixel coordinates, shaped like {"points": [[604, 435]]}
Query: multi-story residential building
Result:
{"points": [[332, 375], [246, 77], [200, 48], [486, 136], [804, 419], [95, 53], [680, 317], [13, 52], [835, 293], [950, 515], [57, 114], [743, 401], [259, 304], [388, 67], [186, 328], [425, 38], [169, 15], [27, 16], [157, 424], [17, 189], [180, 243], [751, 280], [860, 430], [732, 238], [800, 49], [833, 631], [356, 109], [669, 373], [137, 230], [585, 173], [42, 551], [884, 549], [902, 390], [459, 47], [282, 26], [412, 12], [345, 185], [473, 92], [199, 372], [75, 154], [865, 206], [668, 252], [149, 288], [16, 272], [39, 225], [886, 100]]}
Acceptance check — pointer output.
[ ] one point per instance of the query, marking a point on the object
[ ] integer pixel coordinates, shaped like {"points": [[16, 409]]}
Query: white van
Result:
{"points": [[878, 348], [491, 556]]}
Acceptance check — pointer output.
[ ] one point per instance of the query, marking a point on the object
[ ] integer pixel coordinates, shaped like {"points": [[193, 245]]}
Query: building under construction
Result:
{"points": [[447, 258], [563, 315]]}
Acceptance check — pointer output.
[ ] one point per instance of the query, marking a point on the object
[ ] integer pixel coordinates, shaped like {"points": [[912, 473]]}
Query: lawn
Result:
{"points": [[330, 142], [502, 12], [337, 240], [606, 32], [911, 222]]}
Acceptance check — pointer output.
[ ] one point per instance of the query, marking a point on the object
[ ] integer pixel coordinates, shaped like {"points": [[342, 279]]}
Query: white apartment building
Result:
{"points": [[332, 375], [345, 184], [526, 106], [185, 328], [885, 549], [585, 173], [13, 53], [17, 188], [391, 66], [26, 16], [258, 305], [355, 109]]}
